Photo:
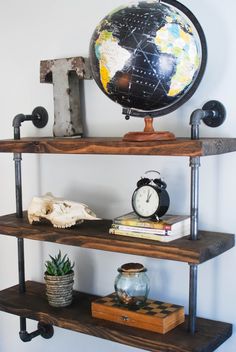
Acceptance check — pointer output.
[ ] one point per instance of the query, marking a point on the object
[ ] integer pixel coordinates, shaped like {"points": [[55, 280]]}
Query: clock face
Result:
{"points": [[145, 201]]}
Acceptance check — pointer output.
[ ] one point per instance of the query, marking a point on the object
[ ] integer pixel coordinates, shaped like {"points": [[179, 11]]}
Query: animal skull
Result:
{"points": [[61, 213]]}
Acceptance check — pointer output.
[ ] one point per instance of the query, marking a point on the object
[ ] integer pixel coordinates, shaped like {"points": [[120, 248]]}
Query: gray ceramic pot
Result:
{"points": [[59, 289]]}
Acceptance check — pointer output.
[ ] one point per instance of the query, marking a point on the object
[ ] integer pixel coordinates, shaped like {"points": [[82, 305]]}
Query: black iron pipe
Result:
{"points": [[194, 163], [195, 121], [26, 337], [22, 325], [194, 201], [18, 184], [18, 119], [45, 330], [21, 264], [19, 213], [192, 298]]}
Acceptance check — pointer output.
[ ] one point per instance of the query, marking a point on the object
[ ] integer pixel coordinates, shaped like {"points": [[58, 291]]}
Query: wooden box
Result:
{"points": [[155, 316]]}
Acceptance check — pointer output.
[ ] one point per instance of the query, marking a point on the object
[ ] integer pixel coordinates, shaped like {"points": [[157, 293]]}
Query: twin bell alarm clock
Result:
{"points": [[150, 199]]}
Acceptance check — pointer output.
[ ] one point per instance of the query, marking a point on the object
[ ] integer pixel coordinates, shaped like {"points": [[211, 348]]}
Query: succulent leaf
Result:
{"points": [[58, 266]]}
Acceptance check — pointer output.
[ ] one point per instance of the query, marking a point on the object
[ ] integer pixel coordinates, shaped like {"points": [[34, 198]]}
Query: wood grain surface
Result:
{"points": [[77, 317], [107, 145], [94, 234]]}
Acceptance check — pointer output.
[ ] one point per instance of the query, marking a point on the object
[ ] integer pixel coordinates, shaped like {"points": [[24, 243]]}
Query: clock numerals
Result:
{"points": [[145, 201], [150, 199]]}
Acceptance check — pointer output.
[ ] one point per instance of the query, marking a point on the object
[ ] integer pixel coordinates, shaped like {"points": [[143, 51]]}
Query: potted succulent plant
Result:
{"points": [[59, 279]]}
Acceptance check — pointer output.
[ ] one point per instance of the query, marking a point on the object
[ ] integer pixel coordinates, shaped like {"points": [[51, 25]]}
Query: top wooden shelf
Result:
{"points": [[107, 145]]}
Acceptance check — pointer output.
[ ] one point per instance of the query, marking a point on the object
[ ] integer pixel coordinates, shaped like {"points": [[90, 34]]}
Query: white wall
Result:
{"points": [[34, 30]]}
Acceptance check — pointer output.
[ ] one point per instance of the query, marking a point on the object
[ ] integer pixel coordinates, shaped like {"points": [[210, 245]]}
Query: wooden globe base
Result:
{"points": [[148, 134]]}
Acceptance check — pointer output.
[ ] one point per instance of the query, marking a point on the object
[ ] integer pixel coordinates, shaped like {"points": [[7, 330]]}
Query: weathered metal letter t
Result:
{"points": [[65, 74]]}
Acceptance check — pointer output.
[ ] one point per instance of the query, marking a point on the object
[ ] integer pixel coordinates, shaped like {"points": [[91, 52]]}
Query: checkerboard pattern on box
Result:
{"points": [[154, 316]]}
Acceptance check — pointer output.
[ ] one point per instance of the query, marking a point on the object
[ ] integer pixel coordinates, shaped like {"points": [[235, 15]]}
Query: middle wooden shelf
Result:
{"points": [[94, 234]]}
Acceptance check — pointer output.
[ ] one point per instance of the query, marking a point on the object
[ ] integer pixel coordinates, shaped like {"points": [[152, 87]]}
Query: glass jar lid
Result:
{"points": [[132, 268]]}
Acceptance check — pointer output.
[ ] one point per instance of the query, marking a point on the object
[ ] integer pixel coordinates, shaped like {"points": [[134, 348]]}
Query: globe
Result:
{"points": [[148, 56]]}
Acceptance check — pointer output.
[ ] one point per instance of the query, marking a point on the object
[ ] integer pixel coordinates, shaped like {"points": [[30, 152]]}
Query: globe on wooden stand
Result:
{"points": [[149, 57]]}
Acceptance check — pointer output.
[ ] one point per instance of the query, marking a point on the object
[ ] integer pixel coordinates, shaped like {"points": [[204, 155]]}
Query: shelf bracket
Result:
{"points": [[39, 117], [213, 114], [44, 330]]}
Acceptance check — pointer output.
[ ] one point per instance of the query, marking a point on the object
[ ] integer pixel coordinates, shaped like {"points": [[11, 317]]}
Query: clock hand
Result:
{"points": [[148, 196]]}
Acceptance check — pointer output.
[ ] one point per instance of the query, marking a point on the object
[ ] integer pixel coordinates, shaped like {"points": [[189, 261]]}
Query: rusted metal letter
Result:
{"points": [[66, 76]]}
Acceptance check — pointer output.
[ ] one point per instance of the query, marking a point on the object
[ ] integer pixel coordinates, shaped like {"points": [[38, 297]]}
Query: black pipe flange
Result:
{"points": [[214, 112], [46, 330], [40, 117]]}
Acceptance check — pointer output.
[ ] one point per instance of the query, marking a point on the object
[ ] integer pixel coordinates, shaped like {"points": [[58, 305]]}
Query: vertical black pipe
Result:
{"points": [[192, 298], [194, 164], [21, 264], [19, 211], [18, 185], [195, 121], [44, 330], [19, 214]]}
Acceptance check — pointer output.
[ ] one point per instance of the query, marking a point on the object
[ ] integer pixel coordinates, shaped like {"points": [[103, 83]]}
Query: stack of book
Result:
{"points": [[168, 228]]}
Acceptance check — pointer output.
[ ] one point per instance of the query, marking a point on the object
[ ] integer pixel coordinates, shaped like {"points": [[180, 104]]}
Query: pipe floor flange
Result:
{"points": [[46, 330]]}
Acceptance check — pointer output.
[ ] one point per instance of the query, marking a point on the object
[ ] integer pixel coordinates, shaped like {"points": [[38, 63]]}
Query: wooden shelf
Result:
{"points": [[94, 234], [178, 147], [77, 317]]}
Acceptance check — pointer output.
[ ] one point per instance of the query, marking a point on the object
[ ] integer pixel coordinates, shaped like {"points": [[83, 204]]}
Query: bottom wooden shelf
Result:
{"points": [[33, 304]]}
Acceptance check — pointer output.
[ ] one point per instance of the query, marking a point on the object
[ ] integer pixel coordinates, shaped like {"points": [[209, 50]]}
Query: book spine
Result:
{"points": [[141, 229], [145, 224], [162, 238]]}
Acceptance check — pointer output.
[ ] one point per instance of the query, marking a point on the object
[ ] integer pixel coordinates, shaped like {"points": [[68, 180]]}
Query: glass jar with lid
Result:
{"points": [[132, 285]]}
